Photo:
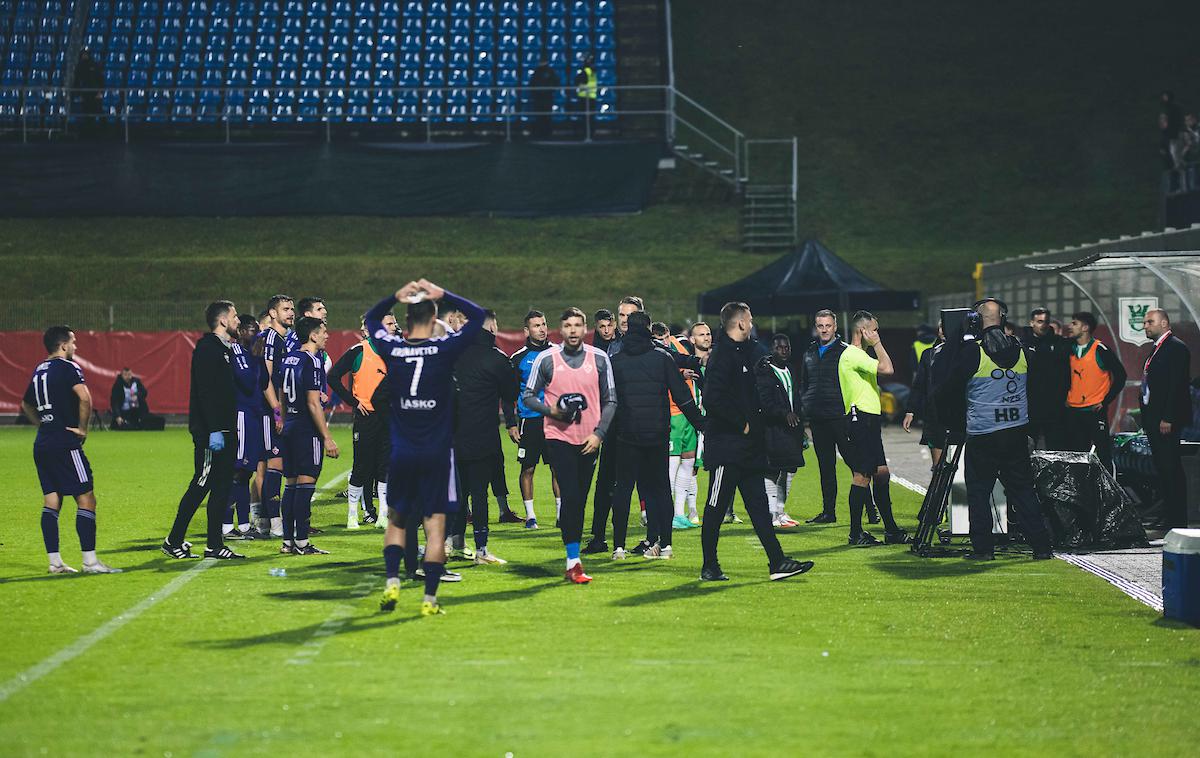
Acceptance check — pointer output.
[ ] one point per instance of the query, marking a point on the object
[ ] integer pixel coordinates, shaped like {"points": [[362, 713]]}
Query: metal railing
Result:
{"points": [[233, 107]]}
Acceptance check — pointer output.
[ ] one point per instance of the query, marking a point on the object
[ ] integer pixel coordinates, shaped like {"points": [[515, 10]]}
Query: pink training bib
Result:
{"points": [[585, 381]]}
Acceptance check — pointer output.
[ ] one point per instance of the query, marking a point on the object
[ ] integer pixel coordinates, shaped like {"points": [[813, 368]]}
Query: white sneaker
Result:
{"points": [[653, 552], [695, 519], [382, 520], [482, 556], [352, 522], [62, 568], [99, 568], [619, 554], [665, 553]]}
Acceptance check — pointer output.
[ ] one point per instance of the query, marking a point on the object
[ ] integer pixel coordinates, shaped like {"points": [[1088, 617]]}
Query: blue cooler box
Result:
{"points": [[1181, 575]]}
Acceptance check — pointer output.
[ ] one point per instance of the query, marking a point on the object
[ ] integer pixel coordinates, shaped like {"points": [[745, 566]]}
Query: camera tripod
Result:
{"points": [[933, 507]]}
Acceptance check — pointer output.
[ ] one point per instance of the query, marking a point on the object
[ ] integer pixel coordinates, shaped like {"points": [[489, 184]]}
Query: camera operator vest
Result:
{"points": [[996, 397]]}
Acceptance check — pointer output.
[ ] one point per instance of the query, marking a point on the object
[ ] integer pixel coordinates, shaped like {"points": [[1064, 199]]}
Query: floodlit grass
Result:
{"points": [[873, 652]]}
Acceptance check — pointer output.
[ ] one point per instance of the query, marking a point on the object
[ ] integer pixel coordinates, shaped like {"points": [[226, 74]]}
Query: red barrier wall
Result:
{"points": [[161, 359]]}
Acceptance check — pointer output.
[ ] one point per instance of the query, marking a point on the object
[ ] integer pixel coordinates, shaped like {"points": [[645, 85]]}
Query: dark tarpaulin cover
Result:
{"points": [[809, 278], [1083, 503], [281, 179]]}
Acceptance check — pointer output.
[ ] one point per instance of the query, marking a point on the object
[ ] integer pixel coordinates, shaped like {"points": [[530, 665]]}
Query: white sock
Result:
{"points": [[772, 496], [557, 507], [431, 599], [226, 528], [529, 509], [393, 581], [301, 543], [255, 510], [783, 489], [381, 493], [685, 488], [89, 557], [243, 528], [572, 562], [383, 514], [55, 558], [673, 469], [277, 524], [355, 496]]}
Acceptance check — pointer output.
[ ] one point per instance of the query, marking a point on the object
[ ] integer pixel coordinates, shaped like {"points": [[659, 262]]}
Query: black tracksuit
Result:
{"points": [[372, 437], [1166, 397], [921, 403], [212, 407], [643, 375], [826, 414], [484, 380], [1049, 358], [734, 446]]}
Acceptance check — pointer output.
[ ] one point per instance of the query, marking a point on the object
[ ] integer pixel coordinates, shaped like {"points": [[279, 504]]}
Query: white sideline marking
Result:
{"points": [[906, 484], [86, 642]]}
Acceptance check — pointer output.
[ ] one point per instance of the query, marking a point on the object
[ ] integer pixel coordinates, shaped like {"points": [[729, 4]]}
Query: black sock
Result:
{"points": [[858, 500], [287, 511], [241, 493], [883, 501], [302, 509], [481, 537], [393, 556], [85, 527], [433, 575], [270, 492], [50, 529]]}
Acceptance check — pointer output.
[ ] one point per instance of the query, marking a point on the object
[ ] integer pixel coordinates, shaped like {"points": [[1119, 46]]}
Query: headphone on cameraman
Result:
{"points": [[975, 321]]}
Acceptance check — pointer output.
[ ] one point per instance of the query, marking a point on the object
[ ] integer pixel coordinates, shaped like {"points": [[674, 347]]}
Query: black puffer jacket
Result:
{"points": [[643, 374], [1049, 375], [784, 443], [484, 380], [730, 403], [820, 387]]}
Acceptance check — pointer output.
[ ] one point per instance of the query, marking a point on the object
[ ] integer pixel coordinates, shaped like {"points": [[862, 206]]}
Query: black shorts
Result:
{"points": [[933, 436], [532, 447], [426, 484], [864, 431], [66, 472]]}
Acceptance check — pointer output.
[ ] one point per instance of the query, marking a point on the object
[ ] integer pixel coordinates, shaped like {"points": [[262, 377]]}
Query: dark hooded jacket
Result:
{"points": [[784, 443], [484, 380], [730, 404], [643, 374]]}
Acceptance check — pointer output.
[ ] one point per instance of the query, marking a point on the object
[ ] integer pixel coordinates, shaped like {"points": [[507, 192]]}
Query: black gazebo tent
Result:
{"points": [[809, 278]]}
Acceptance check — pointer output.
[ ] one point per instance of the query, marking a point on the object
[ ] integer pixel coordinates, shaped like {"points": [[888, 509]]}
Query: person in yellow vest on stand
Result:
{"points": [[586, 89], [368, 396], [927, 337], [1097, 378]]}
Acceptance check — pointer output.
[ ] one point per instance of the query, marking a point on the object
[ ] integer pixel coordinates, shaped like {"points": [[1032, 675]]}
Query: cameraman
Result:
{"points": [[989, 370]]}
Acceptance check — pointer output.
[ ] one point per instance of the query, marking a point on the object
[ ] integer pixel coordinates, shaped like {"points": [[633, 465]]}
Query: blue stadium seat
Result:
{"points": [[140, 61], [166, 60], [383, 107], [581, 8], [113, 77], [604, 24], [606, 59], [341, 9], [414, 9], [604, 9], [387, 43], [436, 9], [268, 25], [147, 25], [485, 25], [460, 43], [293, 9], [189, 59], [510, 26], [259, 110], [266, 42], [183, 107], [339, 43], [263, 77], [314, 59], [317, 8], [411, 60], [532, 25], [410, 77], [434, 77], [246, 7], [308, 105], [362, 60], [389, 9], [580, 25], [509, 9], [460, 25], [138, 77], [460, 59], [482, 77], [289, 42], [389, 26], [460, 9], [556, 26], [168, 42], [286, 77], [531, 42], [435, 43], [163, 77], [411, 43], [385, 76], [435, 26], [214, 59], [196, 26], [456, 106], [242, 42], [283, 109], [581, 44], [605, 42], [340, 26], [555, 42], [484, 42], [188, 77], [237, 77], [531, 8], [363, 43], [296, 26], [335, 77], [414, 26], [556, 9]]}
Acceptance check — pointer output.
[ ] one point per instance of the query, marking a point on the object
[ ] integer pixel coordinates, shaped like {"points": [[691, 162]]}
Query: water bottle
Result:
{"points": [[277, 572]]}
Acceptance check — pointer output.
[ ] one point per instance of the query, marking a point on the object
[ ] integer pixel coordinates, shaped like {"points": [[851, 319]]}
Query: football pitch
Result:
{"points": [[873, 652]]}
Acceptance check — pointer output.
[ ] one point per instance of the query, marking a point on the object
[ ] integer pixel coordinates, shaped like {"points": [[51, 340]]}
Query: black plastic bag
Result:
{"points": [[1083, 503]]}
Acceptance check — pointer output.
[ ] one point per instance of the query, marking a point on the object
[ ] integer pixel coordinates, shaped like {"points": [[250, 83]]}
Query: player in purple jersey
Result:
{"points": [[420, 377], [250, 380], [282, 313], [58, 402], [305, 437]]}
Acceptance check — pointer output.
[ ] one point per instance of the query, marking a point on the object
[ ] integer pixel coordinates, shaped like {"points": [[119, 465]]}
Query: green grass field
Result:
{"points": [[873, 652]]}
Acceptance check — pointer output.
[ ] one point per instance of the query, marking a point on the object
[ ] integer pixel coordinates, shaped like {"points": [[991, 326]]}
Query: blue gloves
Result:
{"points": [[216, 441]]}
